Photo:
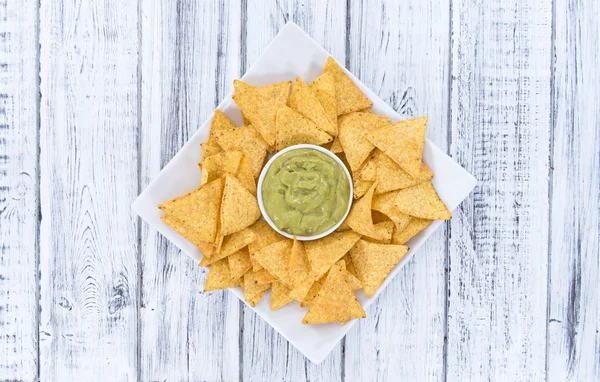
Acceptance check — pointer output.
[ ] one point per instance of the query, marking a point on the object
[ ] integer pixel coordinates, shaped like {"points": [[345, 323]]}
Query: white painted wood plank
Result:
{"points": [[401, 50], [190, 56], [574, 313], [500, 110], [266, 354], [89, 178], [18, 191]]}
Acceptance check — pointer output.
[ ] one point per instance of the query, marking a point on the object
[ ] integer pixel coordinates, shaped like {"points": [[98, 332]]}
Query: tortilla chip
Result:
{"points": [[239, 263], [361, 187], [373, 262], [314, 289], [247, 140], [216, 166], [360, 218], [275, 258], [385, 203], [415, 226], [210, 149], [220, 125], [352, 129], [304, 101], [348, 95], [350, 267], [231, 244], [265, 235], [422, 201], [352, 280], [391, 176], [219, 277], [324, 88], [239, 207], [260, 106], [245, 176], [335, 302], [189, 233], [199, 208], [378, 217], [264, 277], [240, 86], [323, 253], [253, 291], [403, 142], [293, 129], [383, 233], [298, 266], [368, 172], [336, 146], [280, 295]]}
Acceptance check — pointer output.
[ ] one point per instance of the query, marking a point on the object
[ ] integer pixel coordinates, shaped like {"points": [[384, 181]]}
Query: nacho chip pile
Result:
{"points": [[394, 197]]}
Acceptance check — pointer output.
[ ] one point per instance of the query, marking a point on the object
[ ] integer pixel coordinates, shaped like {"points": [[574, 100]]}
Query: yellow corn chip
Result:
{"points": [[219, 277], [360, 218], [264, 277], [351, 268], [352, 129], [348, 95], [280, 295], [240, 86], [218, 165], [247, 140], [323, 253], [352, 280], [275, 259], [415, 226], [260, 107], [220, 125], [335, 302], [293, 129], [239, 263], [188, 232], [373, 262], [391, 176], [253, 291], [324, 88], [210, 149], [245, 176], [403, 142], [298, 266], [265, 235], [383, 233], [231, 244], [199, 208], [422, 201], [385, 203], [239, 207], [304, 101], [336, 146], [361, 187], [314, 289]]}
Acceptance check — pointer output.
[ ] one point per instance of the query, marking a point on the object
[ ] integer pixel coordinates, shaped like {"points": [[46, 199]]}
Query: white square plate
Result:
{"points": [[292, 53]]}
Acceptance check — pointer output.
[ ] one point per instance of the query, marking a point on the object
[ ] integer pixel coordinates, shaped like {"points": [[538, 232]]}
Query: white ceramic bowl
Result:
{"points": [[262, 177]]}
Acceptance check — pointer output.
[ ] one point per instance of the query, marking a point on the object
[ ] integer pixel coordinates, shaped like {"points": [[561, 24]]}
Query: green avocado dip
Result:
{"points": [[305, 192]]}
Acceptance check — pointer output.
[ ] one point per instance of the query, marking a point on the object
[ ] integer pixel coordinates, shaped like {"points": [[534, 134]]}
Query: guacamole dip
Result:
{"points": [[305, 192]]}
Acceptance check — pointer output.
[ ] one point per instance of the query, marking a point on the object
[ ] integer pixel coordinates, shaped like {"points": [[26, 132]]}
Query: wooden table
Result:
{"points": [[97, 96]]}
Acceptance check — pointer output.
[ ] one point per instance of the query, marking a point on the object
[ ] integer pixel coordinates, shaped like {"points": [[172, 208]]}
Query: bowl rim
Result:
{"points": [[262, 177]]}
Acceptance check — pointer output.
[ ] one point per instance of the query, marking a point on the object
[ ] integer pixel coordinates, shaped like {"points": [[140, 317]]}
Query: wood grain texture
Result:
{"points": [[266, 354], [88, 167], [190, 56], [401, 50], [500, 115], [574, 291], [18, 191]]}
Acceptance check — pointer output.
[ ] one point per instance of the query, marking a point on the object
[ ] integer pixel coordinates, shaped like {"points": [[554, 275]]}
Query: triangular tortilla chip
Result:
{"points": [[239, 207], [210, 149], [190, 233], [265, 235], [220, 125], [313, 291], [239, 263], [304, 101], [245, 176], [260, 107], [373, 262], [323, 253], [415, 226], [247, 140], [336, 302], [422, 201], [231, 244], [199, 208], [383, 233], [359, 218], [219, 277], [361, 187], [350, 266], [216, 166], [275, 258], [293, 129], [280, 295], [264, 277], [352, 280], [352, 129], [403, 142], [324, 88], [391, 176], [253, 291], [299, 268], [348, 95], [385, 203]]}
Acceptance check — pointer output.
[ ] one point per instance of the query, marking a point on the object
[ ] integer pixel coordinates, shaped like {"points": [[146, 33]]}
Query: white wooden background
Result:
{"points": [[97, 96]]}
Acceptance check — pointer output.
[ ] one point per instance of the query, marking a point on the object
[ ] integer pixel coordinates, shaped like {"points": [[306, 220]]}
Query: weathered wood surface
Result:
{"points": [[507, 291]]}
